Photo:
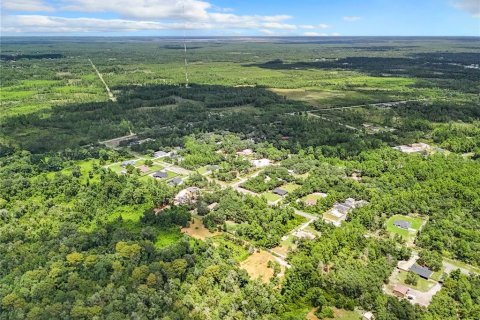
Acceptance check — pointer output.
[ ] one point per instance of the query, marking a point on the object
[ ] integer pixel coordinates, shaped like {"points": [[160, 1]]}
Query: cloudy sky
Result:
{"points": [[241, 17]]}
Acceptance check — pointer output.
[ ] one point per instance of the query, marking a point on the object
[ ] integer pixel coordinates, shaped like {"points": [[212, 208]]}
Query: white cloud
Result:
{"points": [[471, 6], [136, 15], [46, 24], [314, 34], [352, 18], [312, 27], [26, 5], [53, 24], [267, 32]]}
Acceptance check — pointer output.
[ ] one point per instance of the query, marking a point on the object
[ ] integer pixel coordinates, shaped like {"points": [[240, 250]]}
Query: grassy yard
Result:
{"points": [[270, 196], [422, 285], [416, 223], [313, 196], [290, 187]]}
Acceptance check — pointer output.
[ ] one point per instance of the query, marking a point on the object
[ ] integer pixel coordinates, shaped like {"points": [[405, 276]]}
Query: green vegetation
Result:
{"points": [[81, 239], [415, 223]]}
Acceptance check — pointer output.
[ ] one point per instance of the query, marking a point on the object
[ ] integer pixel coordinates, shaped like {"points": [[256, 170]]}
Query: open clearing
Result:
{"points": [[256, 265], [408, 235], [198, 231]]}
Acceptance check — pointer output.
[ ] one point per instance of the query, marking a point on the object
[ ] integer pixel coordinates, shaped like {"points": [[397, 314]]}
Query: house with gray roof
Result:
{"points": [[128, 162], [402, 224], [160, 175], [280, 192], [423, 272], [175, 182]]}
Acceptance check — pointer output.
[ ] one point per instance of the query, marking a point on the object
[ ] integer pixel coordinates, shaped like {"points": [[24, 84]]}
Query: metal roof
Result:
{"points": [[402, 224], [423, 272]]}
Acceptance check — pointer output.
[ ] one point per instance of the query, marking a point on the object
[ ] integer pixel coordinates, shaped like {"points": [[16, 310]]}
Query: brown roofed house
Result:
{"points": [[400, 291]]}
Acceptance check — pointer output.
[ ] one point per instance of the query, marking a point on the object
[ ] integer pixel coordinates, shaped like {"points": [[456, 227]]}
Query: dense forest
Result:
{"points": [[164, 202]]}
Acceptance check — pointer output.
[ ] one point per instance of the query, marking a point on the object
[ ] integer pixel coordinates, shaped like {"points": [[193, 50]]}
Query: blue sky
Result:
{"points": [[229, 17]]}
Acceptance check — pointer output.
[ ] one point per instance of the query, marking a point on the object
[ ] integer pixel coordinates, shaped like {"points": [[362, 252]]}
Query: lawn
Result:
{"points": [[285, 245], [290, 187], [270, 196], [312, 196], [422, 285], [416, 223], [198, 231], [203, 170]]}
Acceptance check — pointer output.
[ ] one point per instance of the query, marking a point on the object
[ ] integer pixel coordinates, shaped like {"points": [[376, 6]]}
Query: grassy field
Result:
{"points": [[86, 166], [257, 265], [230, 249], [129, 213], [290, 187], [167, 237], [313, 196], [198, 231], [271, 197], [422, 284], [416, 223]]}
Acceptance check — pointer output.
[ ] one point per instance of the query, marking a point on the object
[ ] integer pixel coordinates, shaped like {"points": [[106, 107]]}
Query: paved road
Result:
{"points": [[380, 104], [330, 120], [113, 143]]}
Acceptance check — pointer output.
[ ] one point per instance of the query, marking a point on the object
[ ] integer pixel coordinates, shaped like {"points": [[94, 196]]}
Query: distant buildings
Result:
{"points": [[260, 163], [368, 316], [161, 154], [144, 169], [414, 148], [128, 162], [245, 152], [340, 210], [187, 196], [301, 234]]}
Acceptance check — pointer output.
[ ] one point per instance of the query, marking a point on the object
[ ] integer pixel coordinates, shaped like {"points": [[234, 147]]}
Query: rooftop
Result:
{"points": [[402, 224], [423, 272], [401, 289], [160, 174], [280, 192]]}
